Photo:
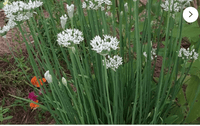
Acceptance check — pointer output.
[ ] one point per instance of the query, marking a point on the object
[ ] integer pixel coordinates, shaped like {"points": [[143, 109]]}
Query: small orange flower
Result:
{"points": [[35, 82], [34, 106]]}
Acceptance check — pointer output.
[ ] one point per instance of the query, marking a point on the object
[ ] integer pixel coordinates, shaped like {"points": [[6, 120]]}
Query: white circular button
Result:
{"points": [[190, 14]]}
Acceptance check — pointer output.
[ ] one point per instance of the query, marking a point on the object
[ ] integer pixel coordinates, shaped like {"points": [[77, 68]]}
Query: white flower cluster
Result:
{"points": [[153, 54], [11, 24], [70, 10], [103, 46], [18, 11], [69, 37], [187, 54], [23, 17], [96, 4], [175, 6], [114, 62], [63, 20]]}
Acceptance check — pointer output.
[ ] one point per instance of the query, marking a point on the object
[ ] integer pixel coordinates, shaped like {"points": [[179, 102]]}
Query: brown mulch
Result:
{"points": [[8, 46], [158, 61], [158, 66]]}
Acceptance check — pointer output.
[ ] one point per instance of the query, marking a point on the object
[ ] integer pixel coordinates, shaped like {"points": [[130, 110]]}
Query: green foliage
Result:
{"points": [[129, 95], [188, 107], [191, 31], [3, 111], [192, 94], [1, 4]]}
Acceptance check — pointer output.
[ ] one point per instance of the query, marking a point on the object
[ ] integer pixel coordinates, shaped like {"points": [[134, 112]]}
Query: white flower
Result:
{"points": [[102, 8], [153, 54], [64, 81], [103, 46], [70, 10], [63, 20], [114, 62], [175, 6], [96, 4], [145, 54], [23, 17], [187, 54], [69, 37], [48, 77], [195, 56]]}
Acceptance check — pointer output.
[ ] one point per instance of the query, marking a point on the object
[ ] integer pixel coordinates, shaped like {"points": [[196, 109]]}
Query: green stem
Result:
{"points": [[72, 24], [106, 81]]}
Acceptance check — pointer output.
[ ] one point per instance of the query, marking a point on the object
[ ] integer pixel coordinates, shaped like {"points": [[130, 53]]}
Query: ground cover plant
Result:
{"points": [[93, 61], [13, 81]]}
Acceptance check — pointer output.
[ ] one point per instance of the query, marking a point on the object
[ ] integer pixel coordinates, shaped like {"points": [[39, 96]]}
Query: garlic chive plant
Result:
{"points": [[96, 4], [175, 5], [153, 54], [18, 11], [105, 45], [187, 54], [113, 63], [69, 37], [94, 64], [11, 24]]}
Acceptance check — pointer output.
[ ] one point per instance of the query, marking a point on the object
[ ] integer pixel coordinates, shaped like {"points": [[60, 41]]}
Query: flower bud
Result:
{"points": [[64, 81], [70, 10], [48, 77], [63, 21], [126, 7], [121, 13], [73, 50]]}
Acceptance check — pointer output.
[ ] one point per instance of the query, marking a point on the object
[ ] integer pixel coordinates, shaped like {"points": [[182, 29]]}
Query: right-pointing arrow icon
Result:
{"points": [[190, 14]]}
